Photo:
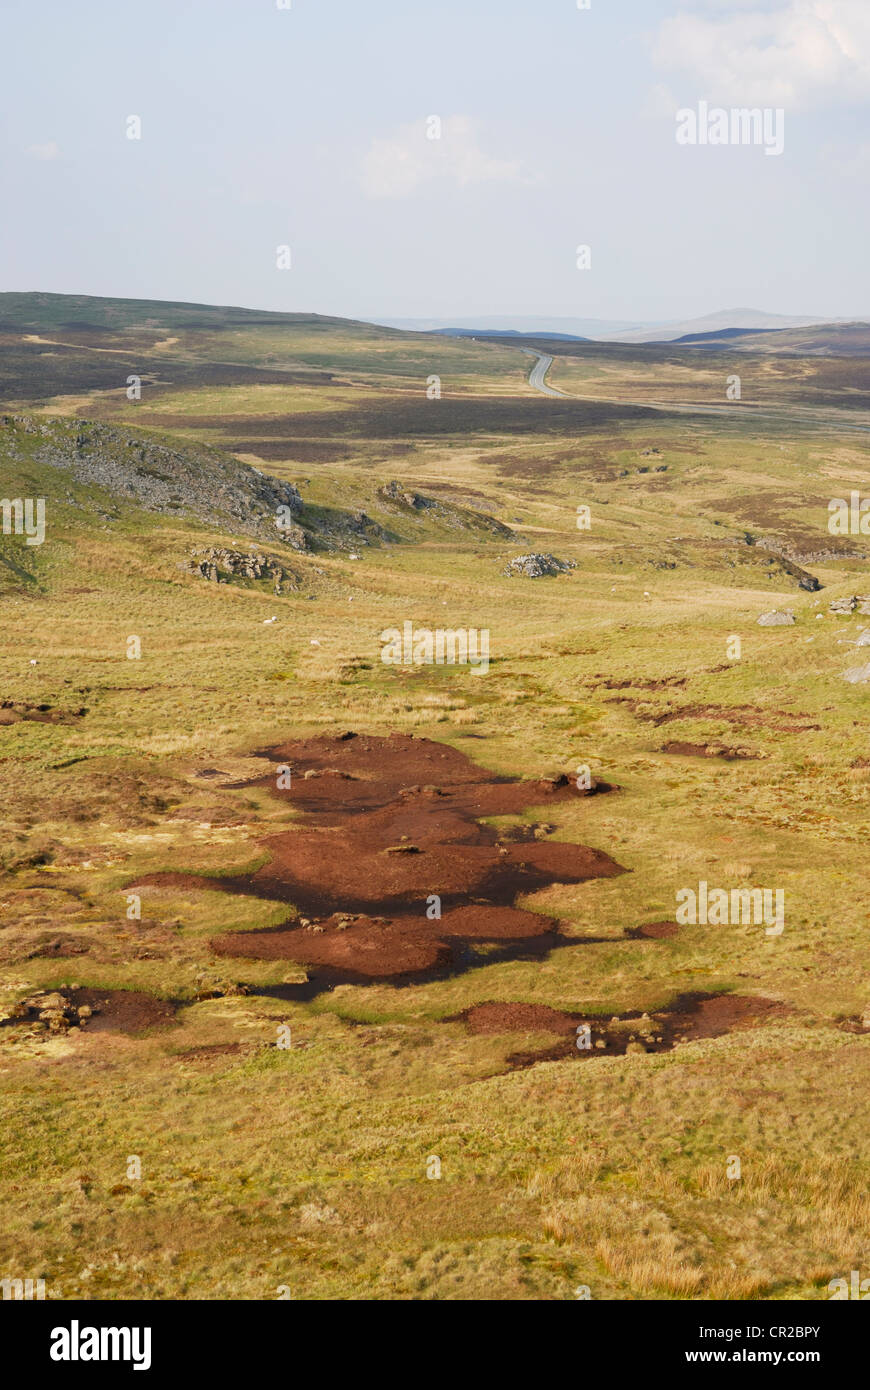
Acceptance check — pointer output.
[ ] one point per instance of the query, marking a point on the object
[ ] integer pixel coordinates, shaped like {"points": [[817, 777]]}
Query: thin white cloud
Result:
{"points": [[800, 53], [401, 163], [51, 150]]}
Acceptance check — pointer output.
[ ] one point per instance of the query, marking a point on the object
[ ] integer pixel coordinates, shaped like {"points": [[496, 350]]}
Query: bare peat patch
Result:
{"points": [[17, 711], [653, 931], [389, 867], [93, 1011], [690, 1017]]}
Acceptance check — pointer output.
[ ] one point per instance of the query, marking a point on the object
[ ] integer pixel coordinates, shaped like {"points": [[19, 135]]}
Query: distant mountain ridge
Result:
{"points": [[845, 339], [615, 331], [38, 311], [508, 333]]}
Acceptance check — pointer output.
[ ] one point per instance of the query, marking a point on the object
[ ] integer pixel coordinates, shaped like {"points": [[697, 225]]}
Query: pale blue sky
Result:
{"points": [[307, 126]]}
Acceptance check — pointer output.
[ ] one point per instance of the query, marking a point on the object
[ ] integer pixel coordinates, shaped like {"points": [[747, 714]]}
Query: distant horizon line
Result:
{"points": [[464, 319]]}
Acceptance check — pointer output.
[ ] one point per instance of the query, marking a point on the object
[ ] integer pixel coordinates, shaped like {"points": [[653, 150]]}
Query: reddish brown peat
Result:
{"points": [[385, 824], [691, 1016]]}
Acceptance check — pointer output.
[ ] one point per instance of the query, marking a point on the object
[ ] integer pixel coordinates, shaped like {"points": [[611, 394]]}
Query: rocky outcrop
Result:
{"points": [[784, 561], [397, 495], [175, 478], [395, 492], [536, 566], [806, 554], [859, 603], [337, 530], [219, 565], [169, 478]]}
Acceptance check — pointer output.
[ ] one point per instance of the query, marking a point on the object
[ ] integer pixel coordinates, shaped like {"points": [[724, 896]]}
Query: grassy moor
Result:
{"points": [[423, 874]]}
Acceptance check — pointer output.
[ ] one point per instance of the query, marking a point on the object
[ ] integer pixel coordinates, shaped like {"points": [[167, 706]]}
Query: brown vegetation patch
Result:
{"points": [[517, 1018], [857, 1023], [53, 947], [665, 683], [773, 512], [14, 711], [655, 931], [389, 825], [92, 1010], [518, 466], [364, 948], [746, 716], [391, 417], [298, 450], [708, 750], [690, 1017], [208, 1052], [121, 1010]]}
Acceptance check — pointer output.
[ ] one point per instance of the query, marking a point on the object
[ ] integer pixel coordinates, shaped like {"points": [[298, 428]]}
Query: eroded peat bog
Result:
{"points": [[688, 1018], [396, 878], [389, 866]]}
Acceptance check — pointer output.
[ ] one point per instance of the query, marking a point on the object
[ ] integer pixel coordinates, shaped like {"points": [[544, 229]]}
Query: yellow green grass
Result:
{"points": [[307, 1167]]}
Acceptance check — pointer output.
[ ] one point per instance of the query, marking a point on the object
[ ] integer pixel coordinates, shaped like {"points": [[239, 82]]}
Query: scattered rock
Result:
{"points": [[776, 618], [843, 605], [857, 675], [803, 554], [53, 1012]]}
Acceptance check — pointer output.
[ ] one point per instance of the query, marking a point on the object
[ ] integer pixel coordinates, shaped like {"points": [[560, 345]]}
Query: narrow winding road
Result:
{"points": [[538, 374], [806, 415]]}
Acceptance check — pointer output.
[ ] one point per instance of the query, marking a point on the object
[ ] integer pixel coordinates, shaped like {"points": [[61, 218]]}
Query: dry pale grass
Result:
{"points": [[698, 1233]]}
